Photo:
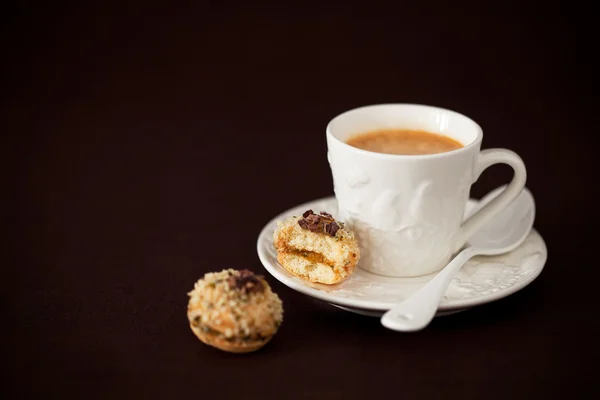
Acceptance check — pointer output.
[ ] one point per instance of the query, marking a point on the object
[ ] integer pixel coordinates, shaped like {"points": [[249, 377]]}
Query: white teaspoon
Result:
{"points": [[504, 233]]}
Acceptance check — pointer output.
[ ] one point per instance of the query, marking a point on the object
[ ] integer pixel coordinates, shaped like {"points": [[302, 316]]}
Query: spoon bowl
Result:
{"points": [[508, 229]]}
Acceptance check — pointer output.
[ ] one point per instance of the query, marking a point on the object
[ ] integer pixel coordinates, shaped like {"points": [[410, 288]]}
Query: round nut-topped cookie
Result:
{"points": [[316, 247], [235, 311]]}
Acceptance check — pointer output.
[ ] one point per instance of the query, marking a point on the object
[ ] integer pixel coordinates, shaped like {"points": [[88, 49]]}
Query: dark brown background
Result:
{"points": [[148, 145]]}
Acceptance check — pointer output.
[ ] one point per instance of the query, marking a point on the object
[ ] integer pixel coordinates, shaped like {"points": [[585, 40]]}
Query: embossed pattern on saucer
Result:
{"points": [[481, 280]]}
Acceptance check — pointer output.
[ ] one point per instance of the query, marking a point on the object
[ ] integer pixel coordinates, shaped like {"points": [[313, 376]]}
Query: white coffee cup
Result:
{"points": [[407, 210]]}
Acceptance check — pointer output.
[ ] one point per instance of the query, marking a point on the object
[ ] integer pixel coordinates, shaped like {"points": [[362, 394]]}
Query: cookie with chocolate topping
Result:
{"points": [[316, 247], [235, 311]]}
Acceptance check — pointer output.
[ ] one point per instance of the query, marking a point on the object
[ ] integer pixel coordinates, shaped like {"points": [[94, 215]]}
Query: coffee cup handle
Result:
{"points": [[486, 159]]}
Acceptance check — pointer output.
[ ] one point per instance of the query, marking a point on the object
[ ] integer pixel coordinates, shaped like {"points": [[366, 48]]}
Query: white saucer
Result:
{"points": [[481, 280]]}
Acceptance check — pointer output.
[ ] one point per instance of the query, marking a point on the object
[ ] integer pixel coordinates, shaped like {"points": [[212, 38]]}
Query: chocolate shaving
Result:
{"points": [[313, 219], [314, 228], [246, 281], [303, 223], [323, 223], [332, 228]]}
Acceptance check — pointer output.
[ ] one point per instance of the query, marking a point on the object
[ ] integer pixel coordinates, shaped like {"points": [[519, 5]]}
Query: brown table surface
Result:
{"points": [[148, 145]]}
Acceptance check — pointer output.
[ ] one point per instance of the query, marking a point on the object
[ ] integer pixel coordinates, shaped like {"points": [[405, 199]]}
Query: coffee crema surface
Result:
{"points": [[403, 142]]}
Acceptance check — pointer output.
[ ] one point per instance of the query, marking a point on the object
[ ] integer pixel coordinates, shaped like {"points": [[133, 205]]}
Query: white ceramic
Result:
{"points": [[418, 310], [481, 280], [407, 210]]}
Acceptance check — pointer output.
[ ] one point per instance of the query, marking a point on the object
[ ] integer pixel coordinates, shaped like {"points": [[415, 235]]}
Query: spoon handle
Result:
{"points": [[418, 310]]}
